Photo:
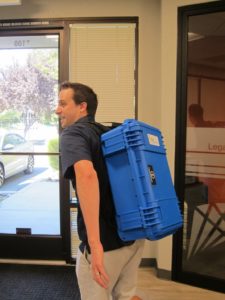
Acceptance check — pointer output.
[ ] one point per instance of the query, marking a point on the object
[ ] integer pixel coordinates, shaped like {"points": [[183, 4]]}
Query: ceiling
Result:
{"points": [[207, 42]]}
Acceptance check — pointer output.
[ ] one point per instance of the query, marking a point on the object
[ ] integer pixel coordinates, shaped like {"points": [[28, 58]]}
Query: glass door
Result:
{"points": [[205, 149], [200, 161], [29, 154]]}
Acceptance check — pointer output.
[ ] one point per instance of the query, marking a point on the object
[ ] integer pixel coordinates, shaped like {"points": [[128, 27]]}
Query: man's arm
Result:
{"points": [[87, 186]]}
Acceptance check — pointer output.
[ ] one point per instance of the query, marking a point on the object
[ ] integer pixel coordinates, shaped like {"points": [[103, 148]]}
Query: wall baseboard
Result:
{"points": [[163, 274], [33, 262], [148, 262], [152, 263]]}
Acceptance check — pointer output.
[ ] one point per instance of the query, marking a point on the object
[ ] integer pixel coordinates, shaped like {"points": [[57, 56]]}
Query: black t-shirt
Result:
{"points": [[81, 141]]}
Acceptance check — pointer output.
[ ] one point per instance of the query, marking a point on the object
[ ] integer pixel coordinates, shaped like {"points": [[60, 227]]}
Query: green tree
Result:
{"points": [[53, 147], [45, 60], [31, 89], [9, 116]]}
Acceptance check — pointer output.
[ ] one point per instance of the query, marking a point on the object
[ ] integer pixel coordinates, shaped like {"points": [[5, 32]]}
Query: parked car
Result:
{"points": [[13, 164]]}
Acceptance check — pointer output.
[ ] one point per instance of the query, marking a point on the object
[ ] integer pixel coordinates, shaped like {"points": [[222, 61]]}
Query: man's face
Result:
{"points": [[67, 110]]}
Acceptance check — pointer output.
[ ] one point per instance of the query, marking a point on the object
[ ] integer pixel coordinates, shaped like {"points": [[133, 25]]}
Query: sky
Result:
{"points": [[7, 57]]}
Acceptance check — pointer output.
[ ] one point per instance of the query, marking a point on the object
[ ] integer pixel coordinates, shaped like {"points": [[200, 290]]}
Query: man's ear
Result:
{"points": [[83, 106]]}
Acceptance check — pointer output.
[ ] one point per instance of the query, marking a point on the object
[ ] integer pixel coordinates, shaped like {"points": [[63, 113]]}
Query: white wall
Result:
{"points": [[157, 64]]}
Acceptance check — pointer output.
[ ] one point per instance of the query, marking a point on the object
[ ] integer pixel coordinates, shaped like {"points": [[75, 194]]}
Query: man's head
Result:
{"points": [[195, 114], [76, 100]]}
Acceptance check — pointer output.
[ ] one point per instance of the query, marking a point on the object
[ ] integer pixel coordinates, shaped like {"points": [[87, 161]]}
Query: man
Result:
{"points": [[106, 266]]}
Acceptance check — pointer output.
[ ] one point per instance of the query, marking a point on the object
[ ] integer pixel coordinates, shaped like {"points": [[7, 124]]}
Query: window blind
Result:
{"points": [[103, 57]]}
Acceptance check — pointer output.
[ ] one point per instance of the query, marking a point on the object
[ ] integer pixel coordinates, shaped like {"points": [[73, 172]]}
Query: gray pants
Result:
{"points": [[121, 266]]}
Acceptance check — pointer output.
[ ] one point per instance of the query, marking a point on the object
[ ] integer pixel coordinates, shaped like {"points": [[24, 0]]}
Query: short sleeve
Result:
{"points": [[74, 146]]}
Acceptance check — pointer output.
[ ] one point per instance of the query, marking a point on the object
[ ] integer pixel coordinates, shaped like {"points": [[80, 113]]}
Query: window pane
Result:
{"points": [[29, 183], [103, 56]]}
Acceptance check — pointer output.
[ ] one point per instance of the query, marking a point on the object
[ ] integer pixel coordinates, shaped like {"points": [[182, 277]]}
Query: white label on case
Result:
{"points": [[153, 140]]}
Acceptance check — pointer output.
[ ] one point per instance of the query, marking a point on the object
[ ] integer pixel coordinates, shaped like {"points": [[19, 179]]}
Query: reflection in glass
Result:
{"points": [[204, 207]]}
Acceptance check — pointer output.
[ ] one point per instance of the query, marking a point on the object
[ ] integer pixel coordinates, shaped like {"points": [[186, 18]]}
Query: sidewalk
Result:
{"points": [[35, 206]]}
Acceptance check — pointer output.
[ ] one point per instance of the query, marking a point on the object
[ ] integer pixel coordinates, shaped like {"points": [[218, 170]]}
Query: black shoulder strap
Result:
{"points": [[98, 127]]}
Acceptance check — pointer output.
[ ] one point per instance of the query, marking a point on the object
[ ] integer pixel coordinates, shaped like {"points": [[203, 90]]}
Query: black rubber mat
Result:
{"points": [[35, 282]]}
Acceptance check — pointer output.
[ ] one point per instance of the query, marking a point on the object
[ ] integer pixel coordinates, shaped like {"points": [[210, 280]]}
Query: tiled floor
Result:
{"points": [[152, 288]]}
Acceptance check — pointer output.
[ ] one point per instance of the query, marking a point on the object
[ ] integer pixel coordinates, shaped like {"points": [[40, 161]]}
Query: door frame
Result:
{"points": [[178, 274], [49, 247]]}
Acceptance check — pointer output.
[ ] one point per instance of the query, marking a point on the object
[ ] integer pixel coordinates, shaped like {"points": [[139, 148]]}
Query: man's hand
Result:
{"points": [[97, 266]]}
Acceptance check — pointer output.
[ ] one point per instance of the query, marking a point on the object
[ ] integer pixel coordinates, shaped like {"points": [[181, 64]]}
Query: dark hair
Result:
{"points": [[82, 93], [196, 110]]}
